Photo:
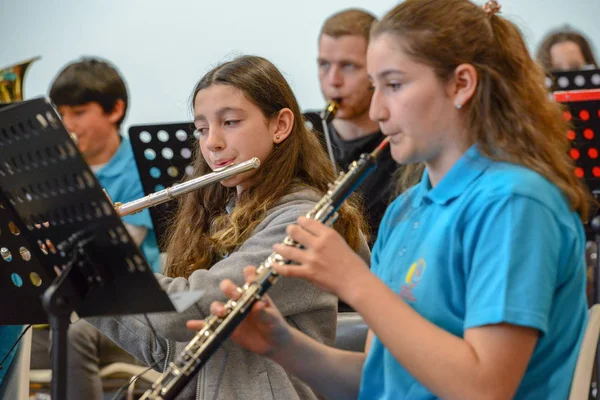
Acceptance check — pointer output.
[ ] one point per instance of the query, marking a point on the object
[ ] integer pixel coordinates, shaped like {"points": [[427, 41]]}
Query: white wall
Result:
{"points": [[163, 47]]}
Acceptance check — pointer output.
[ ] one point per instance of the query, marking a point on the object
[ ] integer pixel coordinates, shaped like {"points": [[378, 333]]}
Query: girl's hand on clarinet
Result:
{"points": [[326, 259], [263, 331]]}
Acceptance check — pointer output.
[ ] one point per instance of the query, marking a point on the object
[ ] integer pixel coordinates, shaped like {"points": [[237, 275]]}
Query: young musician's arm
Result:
{"points": [[331, 372], [488, 363], [334, 373], [134, 334]]}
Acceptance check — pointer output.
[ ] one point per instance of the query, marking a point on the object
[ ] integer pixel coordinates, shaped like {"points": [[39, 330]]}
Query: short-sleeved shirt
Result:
{"points": [[121, 179], [492, 243]]}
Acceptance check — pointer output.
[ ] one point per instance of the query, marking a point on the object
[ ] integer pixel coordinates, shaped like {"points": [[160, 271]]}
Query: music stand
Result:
{"points": [[56, 220], [583, 112], [163, 154], [573, 80]]}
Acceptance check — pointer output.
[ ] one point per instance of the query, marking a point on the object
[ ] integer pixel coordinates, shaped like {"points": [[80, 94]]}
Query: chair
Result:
{"points": [[118, 369], [131, 371], [16, 381], [351, 332], [582, 378]]}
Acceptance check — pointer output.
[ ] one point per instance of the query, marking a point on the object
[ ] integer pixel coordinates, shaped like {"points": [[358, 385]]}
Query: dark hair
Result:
{"points": [[348, 22], [510, 115], [89, 80], [202, 232], [564, 35]]}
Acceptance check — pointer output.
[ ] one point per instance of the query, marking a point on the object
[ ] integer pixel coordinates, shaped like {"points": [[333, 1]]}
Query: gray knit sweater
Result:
{"points": [[232, 372]]}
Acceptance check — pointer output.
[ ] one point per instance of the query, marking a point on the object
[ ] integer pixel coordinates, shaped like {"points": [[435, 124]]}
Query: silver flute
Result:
{"points": [[174, 191], [217, 329]]}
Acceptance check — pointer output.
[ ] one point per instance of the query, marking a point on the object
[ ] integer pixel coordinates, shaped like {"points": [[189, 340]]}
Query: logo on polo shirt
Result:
{"points": [[412, 279]]}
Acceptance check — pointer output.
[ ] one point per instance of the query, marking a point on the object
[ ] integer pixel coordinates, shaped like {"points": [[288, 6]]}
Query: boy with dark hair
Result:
{"points": [[91, 98]]}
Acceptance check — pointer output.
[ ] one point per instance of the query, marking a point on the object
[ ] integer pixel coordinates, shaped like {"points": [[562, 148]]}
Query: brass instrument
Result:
{"points": [[216, 329], [11, 81], [327, 116], [174, 191]]}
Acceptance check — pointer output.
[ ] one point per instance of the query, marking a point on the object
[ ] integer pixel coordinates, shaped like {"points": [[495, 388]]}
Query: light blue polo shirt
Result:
{"points": [[492, 242], [121, 180]]}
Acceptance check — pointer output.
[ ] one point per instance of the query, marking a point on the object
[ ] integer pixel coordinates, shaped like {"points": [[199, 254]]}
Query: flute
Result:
{"points": [[174, 191]]}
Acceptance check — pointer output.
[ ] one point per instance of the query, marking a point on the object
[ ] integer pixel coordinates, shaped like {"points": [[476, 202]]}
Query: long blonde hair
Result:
{"points": [[202, 231], [510, 115]]}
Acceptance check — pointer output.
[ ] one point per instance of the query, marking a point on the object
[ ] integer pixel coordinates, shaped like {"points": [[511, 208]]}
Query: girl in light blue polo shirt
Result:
{"points": [[477, 281]]}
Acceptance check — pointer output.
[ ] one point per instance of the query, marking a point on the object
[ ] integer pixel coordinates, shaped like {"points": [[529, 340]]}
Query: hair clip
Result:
{"points": [[492, 7]]}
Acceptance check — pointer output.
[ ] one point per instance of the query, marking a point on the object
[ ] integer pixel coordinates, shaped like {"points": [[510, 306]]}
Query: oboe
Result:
{"points": [[217, 329]]}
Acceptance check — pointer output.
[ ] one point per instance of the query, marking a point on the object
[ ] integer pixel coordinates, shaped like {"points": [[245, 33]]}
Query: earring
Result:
{"points": [[277, 137], [459, 106]]}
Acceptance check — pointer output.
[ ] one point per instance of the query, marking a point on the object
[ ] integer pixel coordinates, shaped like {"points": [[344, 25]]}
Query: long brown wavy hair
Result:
{"points": [[202, 231], [510, 115]]}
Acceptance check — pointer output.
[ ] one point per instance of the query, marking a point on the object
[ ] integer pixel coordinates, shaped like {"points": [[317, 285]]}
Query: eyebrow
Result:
{"points": [[384, 74], [344, 61], [220, 113]]}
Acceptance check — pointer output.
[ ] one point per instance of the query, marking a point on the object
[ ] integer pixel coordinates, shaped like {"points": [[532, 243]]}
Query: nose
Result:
{"points": [[214, 140], [335, 76], [378, 111]]}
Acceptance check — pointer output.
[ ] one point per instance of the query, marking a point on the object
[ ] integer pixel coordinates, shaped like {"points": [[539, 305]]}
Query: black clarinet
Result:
{"points": [[217, 329]]}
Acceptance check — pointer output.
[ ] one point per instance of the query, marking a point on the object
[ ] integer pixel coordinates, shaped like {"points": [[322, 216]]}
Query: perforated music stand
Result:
{"points": [[163, 154], [54, 217], [573, 80], [583, 112]]}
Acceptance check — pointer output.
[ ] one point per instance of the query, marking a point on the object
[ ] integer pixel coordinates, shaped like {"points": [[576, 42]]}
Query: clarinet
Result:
{"points": [[217, 329]]}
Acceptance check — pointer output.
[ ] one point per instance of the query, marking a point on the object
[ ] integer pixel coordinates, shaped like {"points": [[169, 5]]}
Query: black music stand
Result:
{"points": [[63, 248], [163, 154], [573, 80], [583, 112]]}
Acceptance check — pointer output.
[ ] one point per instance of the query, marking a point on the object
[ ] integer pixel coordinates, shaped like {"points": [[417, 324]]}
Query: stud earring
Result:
{"points": [[277, 137], [459, 106]]}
